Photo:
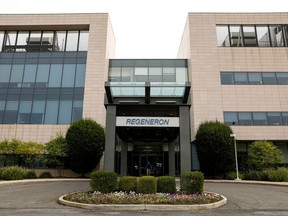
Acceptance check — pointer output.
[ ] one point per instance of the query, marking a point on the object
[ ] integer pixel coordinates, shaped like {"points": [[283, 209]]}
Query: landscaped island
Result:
{"points": [[106, 189]]}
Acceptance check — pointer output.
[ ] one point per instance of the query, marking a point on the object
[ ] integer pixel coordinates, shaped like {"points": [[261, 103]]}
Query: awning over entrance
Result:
{"points": [[147, 90]]}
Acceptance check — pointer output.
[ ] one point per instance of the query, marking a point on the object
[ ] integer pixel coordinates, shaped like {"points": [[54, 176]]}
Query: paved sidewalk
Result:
{"points": [[284, 184]]}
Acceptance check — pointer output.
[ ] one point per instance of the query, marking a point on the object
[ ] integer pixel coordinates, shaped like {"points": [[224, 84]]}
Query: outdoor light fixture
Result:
{"points": [[236, 160]]}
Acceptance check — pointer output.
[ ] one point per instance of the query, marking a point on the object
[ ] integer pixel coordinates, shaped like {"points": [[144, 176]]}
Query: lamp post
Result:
{"points": [[236, 160]]}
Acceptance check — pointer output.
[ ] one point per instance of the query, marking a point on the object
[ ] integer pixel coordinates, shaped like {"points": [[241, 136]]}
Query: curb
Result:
{"points": [[143, 207], [267, 183], [38, 180]]}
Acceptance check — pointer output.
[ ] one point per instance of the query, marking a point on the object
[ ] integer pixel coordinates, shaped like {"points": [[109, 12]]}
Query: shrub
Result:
{"points": [[166, 184], [279, 175], [45, 175], [13, 173], [30, 174], [128, 183], [233, 175], [256, 175], [85, 139], [147, 185], [192, 182], [263, 155], [103, 181], [215, 148]]}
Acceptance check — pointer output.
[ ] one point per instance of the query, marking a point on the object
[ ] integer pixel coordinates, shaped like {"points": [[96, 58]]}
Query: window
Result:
{"points": [[22, 40], [115, 74], [47, 41], [68, 75], [72, 41], [241, 78], [259, 118], [249, 36], [285, 118], [263, 36], [55, 75], [34, 43], [276, 36], [169, 74], [10, 41], [24, 112], [245, 118], [127, 74], [59, 41], [83, 41], [231, 118], [222, 36], [155, 74], [274, 118], [269, 78], [1, 39], [236, 36], [252, 35], [181, 75], [80, 75], [255, 78], [282, 78], [141, 74], [227, 78]]}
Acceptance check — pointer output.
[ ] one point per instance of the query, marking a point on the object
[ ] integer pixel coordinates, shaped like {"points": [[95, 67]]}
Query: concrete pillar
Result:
{"points": [[171, 150], [124, 149], [185, 146], [110, 134]]}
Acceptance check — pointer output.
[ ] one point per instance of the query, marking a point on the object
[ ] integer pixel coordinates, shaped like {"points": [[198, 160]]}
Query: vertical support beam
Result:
{"points": [[171, 150], [124, 149], [185, 146], [110, 133]]}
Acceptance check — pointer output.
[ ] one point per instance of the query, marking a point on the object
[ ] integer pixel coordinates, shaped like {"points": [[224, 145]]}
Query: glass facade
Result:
{"points": [[254, 78], [43, 41], [256, 118], [166, 77], [41, 87], [252, 35]]}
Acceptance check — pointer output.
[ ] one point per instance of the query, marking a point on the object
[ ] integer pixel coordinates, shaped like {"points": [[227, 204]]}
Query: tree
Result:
{"points": [[215, 148], [31, 152], [263, 155], [85, 139], [57, 151]]}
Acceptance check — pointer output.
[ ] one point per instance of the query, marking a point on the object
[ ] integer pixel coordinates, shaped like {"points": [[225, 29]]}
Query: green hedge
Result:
{"points": [[192, 182], [128, 183], [147, 185], [256, 175], [13, 173], [279, 175], [166, 184], [233, 175], [103, 181], [30, 174]]}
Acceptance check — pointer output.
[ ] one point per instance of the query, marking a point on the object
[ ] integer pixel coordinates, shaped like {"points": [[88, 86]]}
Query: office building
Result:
{"points": [[231, 67]]}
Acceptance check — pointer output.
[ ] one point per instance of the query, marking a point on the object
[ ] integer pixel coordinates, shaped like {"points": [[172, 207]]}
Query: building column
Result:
{"points": [[171, 150], [185, 146], [110, 133], [124, 149]]}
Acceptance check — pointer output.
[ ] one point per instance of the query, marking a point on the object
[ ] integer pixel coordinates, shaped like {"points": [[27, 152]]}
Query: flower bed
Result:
{"points": [[135, 198]]}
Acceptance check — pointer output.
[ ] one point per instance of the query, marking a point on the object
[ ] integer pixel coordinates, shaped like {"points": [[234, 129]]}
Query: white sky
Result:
{"points": [[143, 28]]}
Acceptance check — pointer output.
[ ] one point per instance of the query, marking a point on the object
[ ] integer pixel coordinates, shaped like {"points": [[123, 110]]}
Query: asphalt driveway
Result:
{"points": [[40, 199]]}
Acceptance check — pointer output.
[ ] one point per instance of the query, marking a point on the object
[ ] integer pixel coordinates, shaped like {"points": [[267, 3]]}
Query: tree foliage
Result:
{"points": [[262, 155], [57, 151], [215, 148], [85, 139]]}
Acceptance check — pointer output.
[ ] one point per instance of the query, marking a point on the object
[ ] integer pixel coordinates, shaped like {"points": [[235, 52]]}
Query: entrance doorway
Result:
{"points": [[137, 166]]}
